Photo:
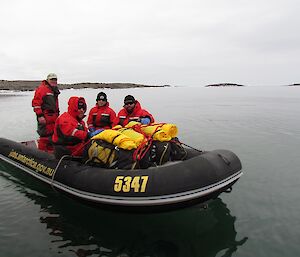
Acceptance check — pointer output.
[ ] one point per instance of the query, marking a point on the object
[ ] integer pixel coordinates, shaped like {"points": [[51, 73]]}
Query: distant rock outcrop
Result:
{"points": [[225, 85], [29, 85], [294, 85]]}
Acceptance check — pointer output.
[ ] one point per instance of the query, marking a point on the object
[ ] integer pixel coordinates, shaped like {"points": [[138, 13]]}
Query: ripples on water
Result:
{"points": [[259, 218]]}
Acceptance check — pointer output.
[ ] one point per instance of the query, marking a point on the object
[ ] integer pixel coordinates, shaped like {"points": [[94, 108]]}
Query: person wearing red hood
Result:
{"points": [[45, 106], [133, 111], [101, 116], [70, 131]]}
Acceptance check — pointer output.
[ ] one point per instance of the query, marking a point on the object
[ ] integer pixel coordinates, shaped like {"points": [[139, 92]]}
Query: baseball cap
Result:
{"points": [[51, 76]]}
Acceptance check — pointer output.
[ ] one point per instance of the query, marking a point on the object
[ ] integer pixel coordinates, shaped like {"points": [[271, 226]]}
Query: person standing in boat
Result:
{"points": [[70, 131], [101, 116], [45, 106], [133, 111]]}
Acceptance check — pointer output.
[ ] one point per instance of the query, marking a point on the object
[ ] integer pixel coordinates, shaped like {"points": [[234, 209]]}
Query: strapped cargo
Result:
{"points": [[116, 138], [158, 131], [135, 146], [106, 155]]}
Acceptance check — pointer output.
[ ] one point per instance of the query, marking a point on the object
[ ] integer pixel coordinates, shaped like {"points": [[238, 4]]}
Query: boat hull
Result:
{"points": [[201, 177]]}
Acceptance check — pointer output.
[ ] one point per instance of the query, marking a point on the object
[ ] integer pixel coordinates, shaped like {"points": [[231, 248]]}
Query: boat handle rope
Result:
{"points": [[191, 147], [56, 168]]}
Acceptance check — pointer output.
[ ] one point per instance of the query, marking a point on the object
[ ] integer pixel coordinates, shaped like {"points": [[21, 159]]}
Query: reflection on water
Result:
{"points": [[79, 230]]}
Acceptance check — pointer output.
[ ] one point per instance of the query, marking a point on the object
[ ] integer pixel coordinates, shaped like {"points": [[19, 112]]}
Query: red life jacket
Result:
{"points": [[45, 103], [45, 99], [124, 117], [69, 131], [101, 117]]}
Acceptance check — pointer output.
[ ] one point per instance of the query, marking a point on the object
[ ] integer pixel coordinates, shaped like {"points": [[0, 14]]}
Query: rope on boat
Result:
{"points": [[56, 168], [192, 147]]}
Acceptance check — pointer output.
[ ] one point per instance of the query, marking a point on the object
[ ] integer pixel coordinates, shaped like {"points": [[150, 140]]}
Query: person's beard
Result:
{"points": [[129, 110]]}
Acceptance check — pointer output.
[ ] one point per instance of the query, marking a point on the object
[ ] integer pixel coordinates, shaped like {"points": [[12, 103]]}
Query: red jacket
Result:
{"points": [[69, 130], [45, 103], [124, 117], [45, 99], [101, 117]]}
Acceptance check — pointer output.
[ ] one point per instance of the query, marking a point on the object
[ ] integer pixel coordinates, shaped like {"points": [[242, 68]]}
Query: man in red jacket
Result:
{"points": [[70, 132], [133, 111], [45, 106], [101, 115]]}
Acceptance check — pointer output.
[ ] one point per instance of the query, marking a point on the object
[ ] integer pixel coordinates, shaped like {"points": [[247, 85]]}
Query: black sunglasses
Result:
{"points": [[81, 105], [129, 103]]}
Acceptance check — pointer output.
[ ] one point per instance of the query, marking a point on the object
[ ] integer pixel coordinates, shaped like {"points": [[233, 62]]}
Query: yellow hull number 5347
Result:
{"points": [[127, 184]]}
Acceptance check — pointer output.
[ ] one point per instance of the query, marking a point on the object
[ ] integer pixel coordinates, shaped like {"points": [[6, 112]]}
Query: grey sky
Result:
{"points": [[187, 42]]}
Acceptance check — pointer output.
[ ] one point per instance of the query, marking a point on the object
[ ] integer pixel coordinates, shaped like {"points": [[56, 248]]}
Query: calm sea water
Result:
{"points": [[260, 217]]}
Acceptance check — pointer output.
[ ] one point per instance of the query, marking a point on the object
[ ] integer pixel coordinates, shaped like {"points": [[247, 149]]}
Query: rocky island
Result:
{"points": [[225, 85], [29, 85], [294, 85]]}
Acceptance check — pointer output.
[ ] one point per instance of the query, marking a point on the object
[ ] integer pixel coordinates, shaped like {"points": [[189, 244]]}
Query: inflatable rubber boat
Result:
{"points": [[201, 177]]}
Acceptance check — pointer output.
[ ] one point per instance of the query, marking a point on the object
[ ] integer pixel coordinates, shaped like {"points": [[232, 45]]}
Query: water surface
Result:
{"points": [[260, 217]]}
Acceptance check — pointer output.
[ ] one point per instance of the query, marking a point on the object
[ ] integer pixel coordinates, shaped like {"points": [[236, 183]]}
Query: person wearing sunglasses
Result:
{"points": [[70, 132], [101, 116], [132, 111], [45, 106]]}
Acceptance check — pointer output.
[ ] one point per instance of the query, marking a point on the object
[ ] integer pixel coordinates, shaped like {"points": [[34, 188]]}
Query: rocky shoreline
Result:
{"points": [[225, 85], [29, 85]]}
